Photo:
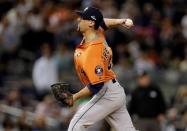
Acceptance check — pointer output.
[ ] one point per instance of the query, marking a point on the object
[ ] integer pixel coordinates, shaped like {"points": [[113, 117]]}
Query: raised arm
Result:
{"points": [[127, 23]]}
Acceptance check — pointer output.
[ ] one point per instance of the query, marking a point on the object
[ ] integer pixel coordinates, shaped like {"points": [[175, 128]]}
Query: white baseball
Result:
{"points": [[128, 22]]}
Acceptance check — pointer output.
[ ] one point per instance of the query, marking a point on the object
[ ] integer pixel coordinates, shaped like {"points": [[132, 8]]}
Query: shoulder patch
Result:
{"points": [[98, 70]]}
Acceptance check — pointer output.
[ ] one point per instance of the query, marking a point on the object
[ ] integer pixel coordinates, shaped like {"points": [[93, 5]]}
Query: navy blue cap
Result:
{"points": [[94, 14]]}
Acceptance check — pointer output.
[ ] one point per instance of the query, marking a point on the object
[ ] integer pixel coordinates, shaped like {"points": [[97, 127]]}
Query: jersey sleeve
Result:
{"points": [[94, 65]]}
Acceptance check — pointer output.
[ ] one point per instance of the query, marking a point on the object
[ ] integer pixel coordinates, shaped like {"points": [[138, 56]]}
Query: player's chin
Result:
{"points": [[78, 28]]}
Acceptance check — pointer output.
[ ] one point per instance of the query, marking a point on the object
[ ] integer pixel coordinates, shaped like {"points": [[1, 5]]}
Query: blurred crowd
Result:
{"points": [[37, 42]]}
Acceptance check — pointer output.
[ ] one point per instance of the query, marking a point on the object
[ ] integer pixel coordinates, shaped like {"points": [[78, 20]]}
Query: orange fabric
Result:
{"points": [[92, 62]]}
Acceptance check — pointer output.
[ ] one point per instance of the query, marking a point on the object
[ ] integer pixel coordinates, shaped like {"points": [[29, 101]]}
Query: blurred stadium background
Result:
{"points": [[37, 40]]}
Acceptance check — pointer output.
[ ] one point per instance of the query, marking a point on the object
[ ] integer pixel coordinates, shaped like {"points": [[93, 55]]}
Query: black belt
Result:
{"points": [[114, 80]]}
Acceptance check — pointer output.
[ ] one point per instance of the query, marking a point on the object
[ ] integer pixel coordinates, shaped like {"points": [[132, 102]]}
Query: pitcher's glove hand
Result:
{"points": [[61, 93]]}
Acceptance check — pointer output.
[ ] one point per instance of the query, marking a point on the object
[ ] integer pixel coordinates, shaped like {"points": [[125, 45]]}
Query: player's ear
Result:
{"points": [[91, 23]]}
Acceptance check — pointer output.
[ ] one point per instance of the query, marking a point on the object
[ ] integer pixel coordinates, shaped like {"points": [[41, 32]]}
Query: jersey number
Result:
{"points": [[107, 57]]}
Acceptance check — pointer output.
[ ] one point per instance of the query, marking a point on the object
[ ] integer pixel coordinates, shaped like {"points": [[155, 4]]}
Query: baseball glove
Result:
{"points": [[61, 93]]}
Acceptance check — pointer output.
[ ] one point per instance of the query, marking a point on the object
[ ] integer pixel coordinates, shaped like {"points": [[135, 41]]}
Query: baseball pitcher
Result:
{"points": [[93, 63]]}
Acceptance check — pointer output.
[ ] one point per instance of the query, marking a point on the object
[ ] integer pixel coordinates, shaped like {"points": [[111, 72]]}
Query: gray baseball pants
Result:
{"points": [[108, 104]]}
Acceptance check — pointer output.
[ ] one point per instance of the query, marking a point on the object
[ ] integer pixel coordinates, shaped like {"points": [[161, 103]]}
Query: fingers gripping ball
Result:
{"points": [[61, 93]]}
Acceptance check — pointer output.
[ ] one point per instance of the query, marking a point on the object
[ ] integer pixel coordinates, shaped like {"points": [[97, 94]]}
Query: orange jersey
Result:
{"points": [[93, 62]]}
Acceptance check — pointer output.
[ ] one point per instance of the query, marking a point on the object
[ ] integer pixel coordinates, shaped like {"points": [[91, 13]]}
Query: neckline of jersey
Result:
{"points": [[93, 42]]}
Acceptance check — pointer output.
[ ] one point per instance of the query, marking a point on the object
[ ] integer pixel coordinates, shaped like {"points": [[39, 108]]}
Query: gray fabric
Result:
{"points": [[109, 104]]}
